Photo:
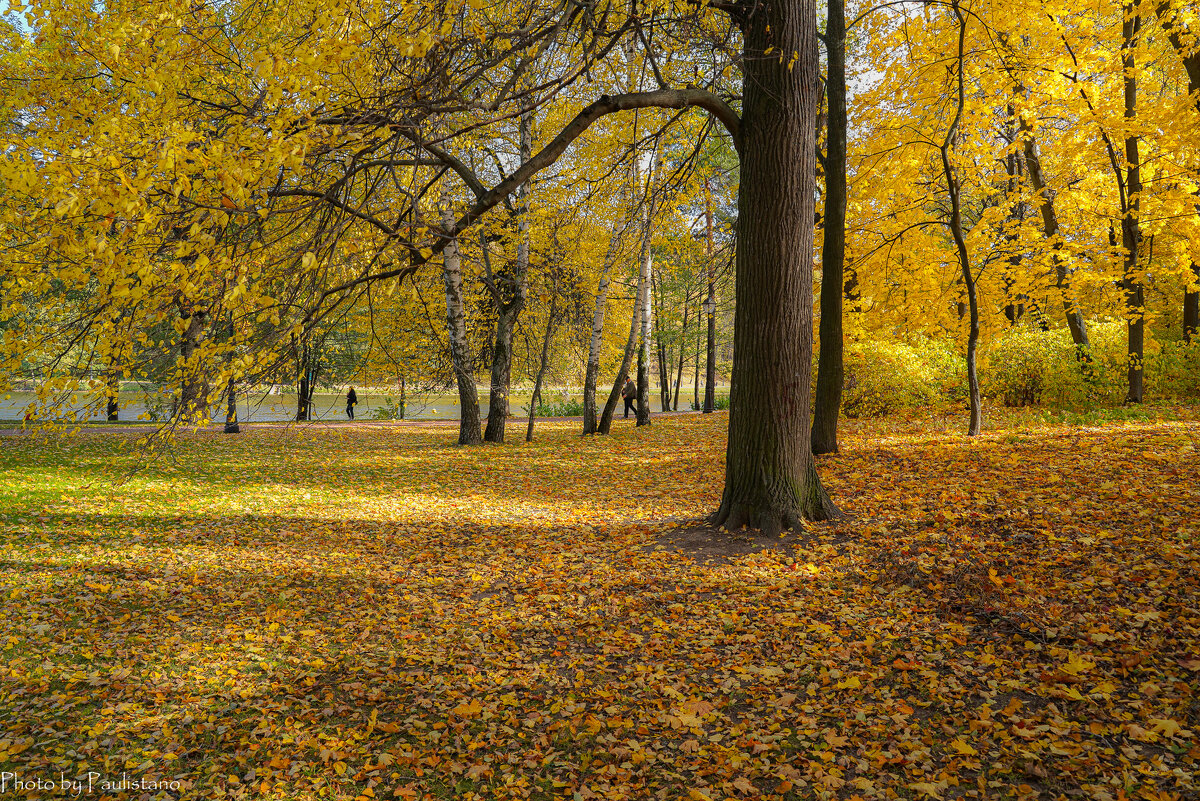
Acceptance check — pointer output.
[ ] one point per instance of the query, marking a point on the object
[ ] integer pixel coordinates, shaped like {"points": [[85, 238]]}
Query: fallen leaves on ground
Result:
{"points": [[375, 613]]}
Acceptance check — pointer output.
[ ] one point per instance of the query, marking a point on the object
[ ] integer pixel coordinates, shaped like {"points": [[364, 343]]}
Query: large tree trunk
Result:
{"points": [[1131, 234], [456, 328], [510, 301], [710, 309], [830, 369], [770, 478]]}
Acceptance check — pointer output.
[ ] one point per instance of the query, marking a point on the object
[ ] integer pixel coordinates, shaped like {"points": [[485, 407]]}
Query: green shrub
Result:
{"points": [[883, 377], [1174, 371], [563, 407], [389, 410], [719, 402], [1019, 365]]}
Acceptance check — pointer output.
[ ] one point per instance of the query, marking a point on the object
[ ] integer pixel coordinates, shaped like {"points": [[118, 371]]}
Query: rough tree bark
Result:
{"points": [[771, 481], [830, 369], [456, 328]]}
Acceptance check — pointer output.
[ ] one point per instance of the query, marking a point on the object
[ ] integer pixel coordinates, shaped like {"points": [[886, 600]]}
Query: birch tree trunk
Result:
{"points": [[593, 363], [456, 329], [646, 265]]}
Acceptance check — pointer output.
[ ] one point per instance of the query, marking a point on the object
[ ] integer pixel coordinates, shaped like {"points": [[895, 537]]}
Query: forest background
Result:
{"points": [[188, 217]]}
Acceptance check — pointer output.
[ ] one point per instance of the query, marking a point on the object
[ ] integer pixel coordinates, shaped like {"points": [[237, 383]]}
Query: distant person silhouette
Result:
{"points": [[351, 401], [629, 393]]}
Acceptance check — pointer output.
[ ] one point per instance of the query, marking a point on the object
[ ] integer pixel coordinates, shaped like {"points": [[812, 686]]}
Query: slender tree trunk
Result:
{"points": [[646, 264], [231, 421], [597, 342], [696, 370], [830, 369], [662, 352], [710, 308], [664, 373], [1050, 229], [1131, 235], [614, 397], [950, 144], [537, 383], [194, 389], [771, 480], [112, 392], [456, 327], [302, 396], [501, 373], [683, 338], [1014, 307], [509, 308]]}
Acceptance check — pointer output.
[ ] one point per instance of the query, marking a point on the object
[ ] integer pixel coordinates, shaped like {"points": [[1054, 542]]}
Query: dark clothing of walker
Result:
{"points": [[629, 393], [351, 402]]}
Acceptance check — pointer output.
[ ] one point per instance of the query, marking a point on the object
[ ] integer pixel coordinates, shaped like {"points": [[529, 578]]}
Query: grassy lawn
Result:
{"points": [[309, 612]]}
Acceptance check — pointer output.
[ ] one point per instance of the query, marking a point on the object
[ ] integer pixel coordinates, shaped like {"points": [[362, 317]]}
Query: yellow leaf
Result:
{"points": [[1076, 665], [962, 748], [1166, 726]]}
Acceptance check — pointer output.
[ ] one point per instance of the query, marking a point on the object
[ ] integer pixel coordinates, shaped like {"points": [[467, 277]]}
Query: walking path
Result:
{"points": [[219, 428]]}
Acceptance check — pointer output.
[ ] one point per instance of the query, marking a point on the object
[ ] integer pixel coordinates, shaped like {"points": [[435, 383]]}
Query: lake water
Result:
{"points": [[262, 407]]}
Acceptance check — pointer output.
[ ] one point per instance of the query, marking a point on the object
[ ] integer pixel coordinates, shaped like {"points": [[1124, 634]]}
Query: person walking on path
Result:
{"points": [[351, 402], [629, 393]]}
